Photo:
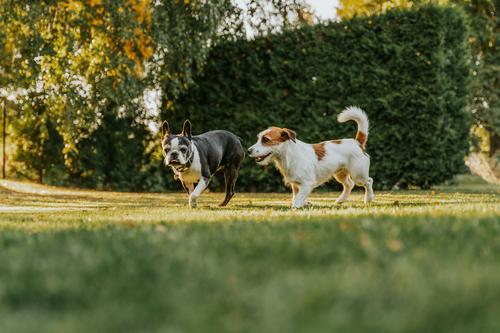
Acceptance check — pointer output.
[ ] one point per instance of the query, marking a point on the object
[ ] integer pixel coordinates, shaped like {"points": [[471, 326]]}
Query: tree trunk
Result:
{"points": [[4, 138], [494, 143]]}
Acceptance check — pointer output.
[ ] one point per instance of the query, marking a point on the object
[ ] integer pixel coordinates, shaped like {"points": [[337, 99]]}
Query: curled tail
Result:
{"points": [[360, 117]]}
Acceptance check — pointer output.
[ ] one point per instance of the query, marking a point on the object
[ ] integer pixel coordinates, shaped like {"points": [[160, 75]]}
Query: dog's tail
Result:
{"points": [[359, 116]]}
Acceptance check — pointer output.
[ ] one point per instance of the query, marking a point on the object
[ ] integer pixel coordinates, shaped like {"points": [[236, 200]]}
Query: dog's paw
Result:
{"points": [[306, 204], [193, 202], [369, 198]]}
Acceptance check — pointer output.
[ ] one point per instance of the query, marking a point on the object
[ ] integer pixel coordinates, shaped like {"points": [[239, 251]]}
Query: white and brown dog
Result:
{"points": [[306, 166]]}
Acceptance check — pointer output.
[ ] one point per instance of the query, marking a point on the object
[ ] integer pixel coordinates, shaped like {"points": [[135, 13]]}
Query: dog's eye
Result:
{"points": [[183, 150], [265, 139]]}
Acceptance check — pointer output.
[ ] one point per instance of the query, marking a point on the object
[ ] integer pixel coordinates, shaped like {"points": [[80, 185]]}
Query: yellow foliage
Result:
{"points": [[94, 3], [142, 10], [129, 50], [113, 72], [139, 48], [350, 8], [8, 46], [146, 52], [73, 5], [138, 68], [143, 43], [483, 137], [26, 30]]}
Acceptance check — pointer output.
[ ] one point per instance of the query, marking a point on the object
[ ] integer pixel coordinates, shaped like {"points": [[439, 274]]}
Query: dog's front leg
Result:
{"points": [[193, 197], [301, 197]]}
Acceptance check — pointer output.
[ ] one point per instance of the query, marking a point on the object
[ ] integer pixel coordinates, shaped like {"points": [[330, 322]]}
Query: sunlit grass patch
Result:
{"points": [[66, 208]]}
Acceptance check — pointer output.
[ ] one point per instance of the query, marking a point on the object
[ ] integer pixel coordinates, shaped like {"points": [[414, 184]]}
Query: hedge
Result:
{"points": [[408, 69]]}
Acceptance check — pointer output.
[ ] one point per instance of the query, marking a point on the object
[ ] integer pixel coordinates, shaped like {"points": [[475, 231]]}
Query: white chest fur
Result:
{"points": [[297, 163], [193, 174]]}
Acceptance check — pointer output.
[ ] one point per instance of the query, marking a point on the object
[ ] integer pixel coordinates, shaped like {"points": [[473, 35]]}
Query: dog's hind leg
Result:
{"points": [[369, 190], [360, 174], [345, 179], [230, 176], [367, 183]]}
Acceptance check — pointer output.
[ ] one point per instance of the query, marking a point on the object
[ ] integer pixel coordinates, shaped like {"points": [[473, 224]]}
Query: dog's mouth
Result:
{"points": [[174, 162], [261, 158]]}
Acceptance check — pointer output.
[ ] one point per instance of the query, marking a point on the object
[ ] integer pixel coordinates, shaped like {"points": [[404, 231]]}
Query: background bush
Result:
{"points": [[407, 69]]}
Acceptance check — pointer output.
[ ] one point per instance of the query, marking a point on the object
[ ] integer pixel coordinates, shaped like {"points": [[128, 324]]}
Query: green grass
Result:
{"points": [[83, 261]]}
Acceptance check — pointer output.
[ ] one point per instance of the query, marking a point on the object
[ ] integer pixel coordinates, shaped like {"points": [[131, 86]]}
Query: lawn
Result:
{"points": [[85, 261]]}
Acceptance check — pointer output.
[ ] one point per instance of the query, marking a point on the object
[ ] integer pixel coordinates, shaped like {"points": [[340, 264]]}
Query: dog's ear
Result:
{"points": [[186, 129], [288, 134], [165, 129]]}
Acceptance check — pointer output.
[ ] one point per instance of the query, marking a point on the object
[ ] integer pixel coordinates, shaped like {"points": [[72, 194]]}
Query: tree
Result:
{"points": [[271, 16], [183, 33], [76, 58], [40, 145], [484, 40], [89, 62], [350, 8]]}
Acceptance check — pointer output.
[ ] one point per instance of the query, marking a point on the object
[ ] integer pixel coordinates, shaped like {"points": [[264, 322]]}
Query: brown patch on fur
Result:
{"points": [[277, 135], [290, 134], [361, 138], [337, 141], [341, 173], [319, 149]]}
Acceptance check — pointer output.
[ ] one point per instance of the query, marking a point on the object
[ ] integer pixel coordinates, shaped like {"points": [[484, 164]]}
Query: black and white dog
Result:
{"points": [[195, 159]]}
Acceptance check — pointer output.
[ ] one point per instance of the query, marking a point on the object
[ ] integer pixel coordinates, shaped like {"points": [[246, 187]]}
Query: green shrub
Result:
{"points": [[407, 69]]}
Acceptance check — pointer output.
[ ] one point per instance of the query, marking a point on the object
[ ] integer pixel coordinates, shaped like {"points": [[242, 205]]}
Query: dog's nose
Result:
{"points": [[250, 150], [174, 155]]}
